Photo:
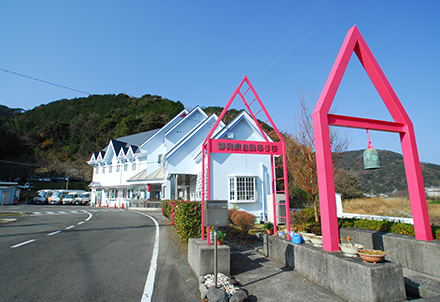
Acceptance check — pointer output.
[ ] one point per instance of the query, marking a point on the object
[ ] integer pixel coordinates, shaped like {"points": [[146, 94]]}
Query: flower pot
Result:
{"points": [[307, 236], [350, 249], [219, 242], [316, 240], [373, 256], [280, 234], [269, 232]]}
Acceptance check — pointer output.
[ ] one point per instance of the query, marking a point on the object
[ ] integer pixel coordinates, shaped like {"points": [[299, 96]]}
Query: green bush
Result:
{"points": [[166, 208], [185, 217], [385, 226], [302, 220], [403, 228], [377, 225]]}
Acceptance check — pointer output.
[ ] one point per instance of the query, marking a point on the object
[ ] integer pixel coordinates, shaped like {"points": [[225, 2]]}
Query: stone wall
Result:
{"points": [[350, 278]]}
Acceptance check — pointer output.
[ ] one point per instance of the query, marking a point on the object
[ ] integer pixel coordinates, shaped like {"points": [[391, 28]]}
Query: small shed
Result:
{"points": [[7, 192]]}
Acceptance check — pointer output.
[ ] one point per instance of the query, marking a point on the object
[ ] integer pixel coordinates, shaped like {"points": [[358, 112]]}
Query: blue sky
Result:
{"points": [[197, 52]]}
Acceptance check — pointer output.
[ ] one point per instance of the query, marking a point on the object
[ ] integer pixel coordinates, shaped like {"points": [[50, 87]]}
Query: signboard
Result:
{"points": [[245, 147]]}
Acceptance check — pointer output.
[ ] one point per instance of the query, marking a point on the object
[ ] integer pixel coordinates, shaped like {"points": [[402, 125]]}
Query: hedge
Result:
{"points": [[185, 217], [368, 224]]}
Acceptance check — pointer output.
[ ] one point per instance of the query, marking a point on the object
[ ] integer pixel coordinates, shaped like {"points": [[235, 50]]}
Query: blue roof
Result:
{"points": [[134, 141]]}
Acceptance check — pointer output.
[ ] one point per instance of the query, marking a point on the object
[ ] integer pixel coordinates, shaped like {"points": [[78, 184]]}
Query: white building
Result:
{"points": [[166, 163], [432, 192]]}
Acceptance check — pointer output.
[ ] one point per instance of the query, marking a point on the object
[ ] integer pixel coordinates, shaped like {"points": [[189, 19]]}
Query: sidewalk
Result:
{"points": [[267, 281]]}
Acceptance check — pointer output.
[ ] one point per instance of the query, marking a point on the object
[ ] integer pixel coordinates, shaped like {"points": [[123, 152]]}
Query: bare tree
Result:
{"points": [[301, 157]]}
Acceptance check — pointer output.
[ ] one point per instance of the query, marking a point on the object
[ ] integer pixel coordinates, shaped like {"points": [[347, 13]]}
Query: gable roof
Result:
{"points": [[192, 133], [137, 139], [188, 116], [242, 116], [182, 114]]}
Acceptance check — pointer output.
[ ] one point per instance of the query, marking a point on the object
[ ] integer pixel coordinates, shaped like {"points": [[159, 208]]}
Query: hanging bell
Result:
{"points": [[371, 159], [371, 156]]}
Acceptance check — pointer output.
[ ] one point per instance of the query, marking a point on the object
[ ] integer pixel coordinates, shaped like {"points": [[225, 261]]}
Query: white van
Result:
{"points": [[83, 198], [57, 196], [42, 197]]}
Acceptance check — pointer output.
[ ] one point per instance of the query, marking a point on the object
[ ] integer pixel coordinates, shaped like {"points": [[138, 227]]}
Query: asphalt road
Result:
{"points": [[72, 253]]}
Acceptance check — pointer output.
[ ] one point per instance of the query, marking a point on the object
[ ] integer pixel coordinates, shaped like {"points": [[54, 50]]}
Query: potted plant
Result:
{"points": [[220, 236], [268, 226], [316, 240], [280, 231], [350, 249], [373, 256]]}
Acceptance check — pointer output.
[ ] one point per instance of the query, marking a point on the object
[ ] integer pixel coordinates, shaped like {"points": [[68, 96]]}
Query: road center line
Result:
{"points": [[53, 233], [149, 284], [69, 227], [23, 243], [81, 222]]}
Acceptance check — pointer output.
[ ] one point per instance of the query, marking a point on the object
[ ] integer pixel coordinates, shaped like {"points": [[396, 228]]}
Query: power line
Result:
{"points": [[17, 163], [43, 81]]}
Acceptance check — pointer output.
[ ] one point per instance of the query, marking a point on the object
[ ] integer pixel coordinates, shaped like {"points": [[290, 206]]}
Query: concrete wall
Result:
{"points": [[349, 278], [417, 255], [201, 257]]}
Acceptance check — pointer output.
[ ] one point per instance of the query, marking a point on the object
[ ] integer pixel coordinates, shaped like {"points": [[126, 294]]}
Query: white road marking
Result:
{"points": [[149, 284], [51, 213], [69, 227], [53, 233], [90, 216], [81, 222], [61, 212], [23, 243], [36, 213]]}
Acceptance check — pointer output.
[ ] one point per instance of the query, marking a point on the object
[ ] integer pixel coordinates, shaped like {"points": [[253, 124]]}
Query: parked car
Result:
{"points": [[42, 197], [57, 196], [83, 199], [70, 197]]}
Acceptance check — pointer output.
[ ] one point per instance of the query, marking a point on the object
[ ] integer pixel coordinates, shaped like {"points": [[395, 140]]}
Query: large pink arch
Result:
{"points": [[402, 125]]}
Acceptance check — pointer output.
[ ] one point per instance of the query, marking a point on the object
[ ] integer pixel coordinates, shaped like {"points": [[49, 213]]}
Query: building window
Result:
{"points": [[103, 170], [96, 170], [110, 168], [125, 167], [242, 188], [113, 193], [117, 168], [133, 166]]}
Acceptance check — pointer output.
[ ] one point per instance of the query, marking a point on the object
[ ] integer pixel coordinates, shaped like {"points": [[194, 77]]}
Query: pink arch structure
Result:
{"points": [[402, 125]]}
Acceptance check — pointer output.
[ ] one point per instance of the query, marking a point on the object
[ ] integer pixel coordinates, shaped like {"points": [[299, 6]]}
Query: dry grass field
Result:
{"points": [[396, 207]]}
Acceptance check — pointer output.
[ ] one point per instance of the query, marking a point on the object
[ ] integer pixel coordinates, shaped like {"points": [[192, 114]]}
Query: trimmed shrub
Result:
{"points": [[378, 225], [230, 213], [244, 220], [185, 217], [403, 228], [234, 214], [166, 208]]}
